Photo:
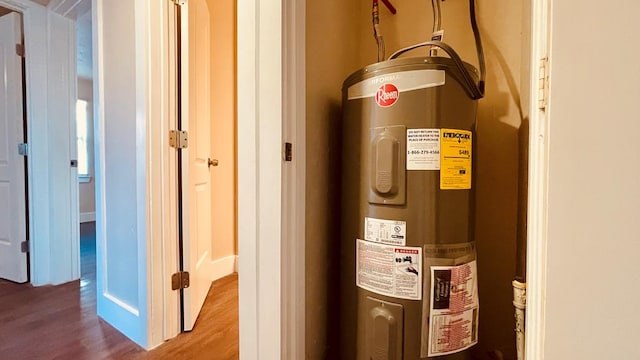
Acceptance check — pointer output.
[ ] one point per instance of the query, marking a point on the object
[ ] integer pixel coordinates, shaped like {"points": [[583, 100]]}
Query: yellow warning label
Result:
{"points": [[455, 159]]}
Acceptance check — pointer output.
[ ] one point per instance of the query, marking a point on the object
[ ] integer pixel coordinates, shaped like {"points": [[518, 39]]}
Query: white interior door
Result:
{"points": [[13, 224], [196, 119]]}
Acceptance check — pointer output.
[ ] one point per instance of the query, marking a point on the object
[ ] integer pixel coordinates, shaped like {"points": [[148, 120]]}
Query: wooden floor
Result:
{"points": [[60, 322]]}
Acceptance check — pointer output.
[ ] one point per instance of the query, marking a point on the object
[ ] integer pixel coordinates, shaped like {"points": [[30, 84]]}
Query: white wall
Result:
{"points": [[122, 294], [120, 141], [594, 182], [135, 230]]}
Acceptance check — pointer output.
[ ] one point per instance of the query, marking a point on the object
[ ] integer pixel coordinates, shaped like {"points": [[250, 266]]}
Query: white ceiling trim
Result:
{"points": [[72, 9]]}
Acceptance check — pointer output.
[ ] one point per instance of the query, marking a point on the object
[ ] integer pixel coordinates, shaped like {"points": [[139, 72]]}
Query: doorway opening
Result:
{"points": [[206, 167], [85, 125]]}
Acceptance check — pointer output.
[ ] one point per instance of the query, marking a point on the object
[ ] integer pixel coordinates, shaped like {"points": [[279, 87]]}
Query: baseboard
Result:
{"points": [[223, 267], [87, 217]]}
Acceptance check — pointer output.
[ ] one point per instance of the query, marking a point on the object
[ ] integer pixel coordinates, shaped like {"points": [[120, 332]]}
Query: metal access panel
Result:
{"points": [[408, 145], [384, 324], [387, 163]]}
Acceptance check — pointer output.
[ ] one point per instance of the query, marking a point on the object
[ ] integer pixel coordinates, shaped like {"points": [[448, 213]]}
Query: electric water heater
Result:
{"points": [[410, 281]]}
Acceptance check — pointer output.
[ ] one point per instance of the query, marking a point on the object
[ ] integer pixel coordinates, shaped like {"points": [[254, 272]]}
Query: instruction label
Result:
{"points": [[423, 149], [394, 271], [453, 316], [385, 231], [455, 159]]}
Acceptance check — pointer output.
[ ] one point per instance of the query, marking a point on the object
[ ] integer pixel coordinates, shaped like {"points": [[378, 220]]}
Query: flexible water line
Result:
{"points": [[376, 30], [437, 22], [477, 90], [473, 88]]}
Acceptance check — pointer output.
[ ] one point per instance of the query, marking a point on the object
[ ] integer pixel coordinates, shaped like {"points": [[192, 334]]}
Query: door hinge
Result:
{"points": [[24, 246], [20, 50], [543, 83], [178, 2], [180, 280], [178, 139], [288, 151], [23, 149]]}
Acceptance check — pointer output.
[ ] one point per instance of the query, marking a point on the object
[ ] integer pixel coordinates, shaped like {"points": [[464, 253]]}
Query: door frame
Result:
{"points": [[260, 125], [538, 185], [271, 91]]}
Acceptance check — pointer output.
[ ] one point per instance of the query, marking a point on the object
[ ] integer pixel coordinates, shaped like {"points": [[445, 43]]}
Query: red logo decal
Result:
{"points": [[387, 95]]}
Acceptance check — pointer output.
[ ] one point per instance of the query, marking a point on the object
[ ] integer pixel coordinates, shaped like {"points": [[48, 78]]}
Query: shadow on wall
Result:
{"points": [[334, 215], [499, 159], [323, 258]]}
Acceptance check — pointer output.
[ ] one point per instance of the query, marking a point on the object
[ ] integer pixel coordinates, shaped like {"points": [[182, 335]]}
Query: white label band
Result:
{"points": [[403, 80]]}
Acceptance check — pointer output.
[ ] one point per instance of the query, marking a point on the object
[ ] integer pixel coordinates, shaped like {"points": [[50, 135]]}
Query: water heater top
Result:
{"points": [[409, 64]]}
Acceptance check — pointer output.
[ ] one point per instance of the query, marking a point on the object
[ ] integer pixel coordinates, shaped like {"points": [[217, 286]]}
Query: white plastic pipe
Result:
{"points": [[520, 303]]}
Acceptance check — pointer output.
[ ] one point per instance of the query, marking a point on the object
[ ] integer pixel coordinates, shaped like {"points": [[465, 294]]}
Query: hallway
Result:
{"points": [[60, 322]]}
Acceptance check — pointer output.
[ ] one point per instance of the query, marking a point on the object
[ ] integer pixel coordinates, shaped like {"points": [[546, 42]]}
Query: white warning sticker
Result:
{"points": [[453, 316], [423, 149], [382, 231], [389, 270]]}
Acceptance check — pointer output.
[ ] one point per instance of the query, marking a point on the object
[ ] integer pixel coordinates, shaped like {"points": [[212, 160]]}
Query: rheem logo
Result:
{"points": [[387, 95]]}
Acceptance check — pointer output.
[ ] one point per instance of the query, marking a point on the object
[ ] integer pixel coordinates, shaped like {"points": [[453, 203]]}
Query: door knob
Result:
{"points": [[212, 162]]}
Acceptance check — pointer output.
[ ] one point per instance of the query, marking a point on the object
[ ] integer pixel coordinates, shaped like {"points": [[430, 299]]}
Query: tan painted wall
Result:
{"points": [[341, 42], [331, 55], [223, 126], [87, 193]]}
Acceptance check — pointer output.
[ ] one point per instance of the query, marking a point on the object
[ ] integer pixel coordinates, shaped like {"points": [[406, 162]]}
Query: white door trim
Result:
{"points": [[260, 126], [171, 314], [538, 189], [271, 110], [161, 258], [247, 178]]}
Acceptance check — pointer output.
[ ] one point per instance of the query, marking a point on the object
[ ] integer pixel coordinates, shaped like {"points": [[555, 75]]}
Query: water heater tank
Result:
{"points": [[409, 284]]}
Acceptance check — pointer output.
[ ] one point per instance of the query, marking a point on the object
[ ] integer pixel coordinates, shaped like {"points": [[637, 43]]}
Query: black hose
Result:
{"points": [[479, 49]]}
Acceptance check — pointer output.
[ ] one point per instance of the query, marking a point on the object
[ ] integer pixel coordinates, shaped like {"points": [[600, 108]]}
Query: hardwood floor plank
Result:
{"points": [[60, 322]]}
